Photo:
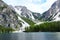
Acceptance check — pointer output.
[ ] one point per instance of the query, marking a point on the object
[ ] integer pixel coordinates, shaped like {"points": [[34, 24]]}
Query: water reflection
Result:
{"points": [[51, 36], [28, 36], [8, 37], [31, 36]]}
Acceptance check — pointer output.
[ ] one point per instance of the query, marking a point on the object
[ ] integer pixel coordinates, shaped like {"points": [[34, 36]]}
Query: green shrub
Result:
{"points": [[28, 21], [5, 29], [45, 27]]}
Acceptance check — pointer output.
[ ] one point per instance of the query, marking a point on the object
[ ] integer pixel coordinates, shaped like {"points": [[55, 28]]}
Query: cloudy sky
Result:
{"points": [[33, 5]]}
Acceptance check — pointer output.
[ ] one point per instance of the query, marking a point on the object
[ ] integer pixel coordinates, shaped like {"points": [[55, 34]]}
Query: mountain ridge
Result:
{"points": [[50, 14]]}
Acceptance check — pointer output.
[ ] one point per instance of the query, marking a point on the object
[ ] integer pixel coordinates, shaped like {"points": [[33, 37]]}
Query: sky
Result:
{"points": [[39, 6]]}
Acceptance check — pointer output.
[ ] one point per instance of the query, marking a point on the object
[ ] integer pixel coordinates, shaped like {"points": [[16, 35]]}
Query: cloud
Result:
{"points": [[38, 1], [33, 5]]}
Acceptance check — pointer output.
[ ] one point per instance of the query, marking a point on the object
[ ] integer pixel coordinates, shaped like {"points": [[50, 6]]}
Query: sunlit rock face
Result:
{"points": [[8, 17]]}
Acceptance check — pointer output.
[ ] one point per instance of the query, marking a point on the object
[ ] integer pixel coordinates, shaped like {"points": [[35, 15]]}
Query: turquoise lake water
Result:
{"points": [[31, 36]]}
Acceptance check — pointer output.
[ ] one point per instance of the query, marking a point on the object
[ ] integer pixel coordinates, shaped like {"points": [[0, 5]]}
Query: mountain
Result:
{"points": [[25, 12], [19, 17], [52, 13], [49, 14], [9, 18], [57, 17], [36, 15]]}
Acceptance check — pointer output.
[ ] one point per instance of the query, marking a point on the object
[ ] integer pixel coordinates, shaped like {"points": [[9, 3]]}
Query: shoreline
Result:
{"points": [[23, 28]]}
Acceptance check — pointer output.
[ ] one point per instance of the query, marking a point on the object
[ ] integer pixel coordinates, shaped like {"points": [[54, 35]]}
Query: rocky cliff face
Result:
{"points": [[25, 12], [8, 17], [57, 17], [52, 12], [36, 15]]}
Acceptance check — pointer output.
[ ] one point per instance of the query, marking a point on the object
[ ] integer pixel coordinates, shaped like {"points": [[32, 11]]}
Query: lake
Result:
{"points": [[31, 36]]}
